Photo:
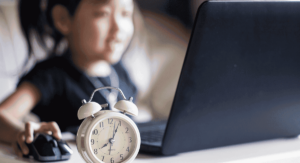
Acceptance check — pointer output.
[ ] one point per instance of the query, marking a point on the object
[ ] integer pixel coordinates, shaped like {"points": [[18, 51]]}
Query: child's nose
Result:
{"points": [[115, 25]]}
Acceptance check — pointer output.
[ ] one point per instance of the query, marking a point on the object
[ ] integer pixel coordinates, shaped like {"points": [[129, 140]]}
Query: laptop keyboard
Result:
{"points": [[152, 131]]}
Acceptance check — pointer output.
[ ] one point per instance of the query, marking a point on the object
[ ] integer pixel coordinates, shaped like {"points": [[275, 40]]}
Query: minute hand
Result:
{"points": [[112, 138], [115, 131]]}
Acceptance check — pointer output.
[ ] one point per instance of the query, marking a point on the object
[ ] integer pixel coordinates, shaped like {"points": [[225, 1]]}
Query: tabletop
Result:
{"points": [[269, 151]]}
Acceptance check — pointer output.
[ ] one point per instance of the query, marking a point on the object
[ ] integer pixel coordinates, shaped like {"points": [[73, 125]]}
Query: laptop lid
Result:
{"points": [[240, 81]]}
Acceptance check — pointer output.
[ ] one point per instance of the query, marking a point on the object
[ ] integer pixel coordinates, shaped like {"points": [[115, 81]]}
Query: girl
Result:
{"points": [[98, 33]]}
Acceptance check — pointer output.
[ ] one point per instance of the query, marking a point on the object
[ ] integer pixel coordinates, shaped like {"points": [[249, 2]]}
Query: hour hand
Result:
{"points": [[104, 145]]}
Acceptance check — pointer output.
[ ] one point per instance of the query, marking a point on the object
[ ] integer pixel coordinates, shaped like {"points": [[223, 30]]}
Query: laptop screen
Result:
{"points": [[240, 81]]}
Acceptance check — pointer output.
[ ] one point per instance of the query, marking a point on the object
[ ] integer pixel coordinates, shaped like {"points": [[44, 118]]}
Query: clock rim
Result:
{"points": [[80, 139]]}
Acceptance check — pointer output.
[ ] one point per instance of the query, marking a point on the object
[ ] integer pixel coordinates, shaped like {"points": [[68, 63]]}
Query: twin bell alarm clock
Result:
{"points": [[105, 135]]}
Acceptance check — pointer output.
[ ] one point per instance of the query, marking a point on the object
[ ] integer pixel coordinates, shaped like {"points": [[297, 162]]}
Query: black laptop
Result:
{"points": [[240, 81]]}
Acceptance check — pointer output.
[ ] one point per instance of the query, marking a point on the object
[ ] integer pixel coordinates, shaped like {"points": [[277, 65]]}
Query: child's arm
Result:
{"points": [[13, 110]]}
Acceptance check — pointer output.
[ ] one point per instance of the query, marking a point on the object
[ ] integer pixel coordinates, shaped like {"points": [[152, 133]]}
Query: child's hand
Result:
{"points": [[30, 129]]}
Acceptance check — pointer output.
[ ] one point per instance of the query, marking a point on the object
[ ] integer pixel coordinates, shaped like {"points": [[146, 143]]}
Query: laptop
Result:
{"points": [[240, 81]]}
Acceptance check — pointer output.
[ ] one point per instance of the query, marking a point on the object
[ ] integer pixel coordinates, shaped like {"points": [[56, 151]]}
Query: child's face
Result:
{"points": [[102, 29]]}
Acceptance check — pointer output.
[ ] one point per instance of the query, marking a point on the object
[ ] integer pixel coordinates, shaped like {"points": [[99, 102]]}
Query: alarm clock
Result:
{"points": [[105, 135]]}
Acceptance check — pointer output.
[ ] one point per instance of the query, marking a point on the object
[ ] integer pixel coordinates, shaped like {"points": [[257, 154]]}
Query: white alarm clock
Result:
{"points": [[108, 136]]}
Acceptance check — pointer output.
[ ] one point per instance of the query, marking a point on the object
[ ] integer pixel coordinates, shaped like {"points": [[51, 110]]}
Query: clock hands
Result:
{"points": [[112, 139], [109, 141], [115, 131], [104, 145]]}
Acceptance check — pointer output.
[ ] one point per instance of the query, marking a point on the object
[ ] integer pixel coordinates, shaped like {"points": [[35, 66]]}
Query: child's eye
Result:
{"points": [[101, 14], [126, 13]]}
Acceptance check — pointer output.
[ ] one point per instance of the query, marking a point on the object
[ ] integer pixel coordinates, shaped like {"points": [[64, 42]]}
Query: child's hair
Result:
{"points": [[36, 16]]}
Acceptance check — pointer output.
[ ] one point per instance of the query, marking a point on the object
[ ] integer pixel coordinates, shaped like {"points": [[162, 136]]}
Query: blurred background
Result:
{"points": [[167, 23]]}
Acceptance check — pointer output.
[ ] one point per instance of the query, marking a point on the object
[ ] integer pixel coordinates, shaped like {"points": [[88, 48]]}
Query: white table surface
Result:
{"points": [[270, 151]]}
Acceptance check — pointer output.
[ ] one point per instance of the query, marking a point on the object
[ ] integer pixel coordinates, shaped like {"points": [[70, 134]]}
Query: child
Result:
{"points": [[98, 32]]}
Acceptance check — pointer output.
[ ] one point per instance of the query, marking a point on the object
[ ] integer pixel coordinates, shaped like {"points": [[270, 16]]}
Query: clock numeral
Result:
{"points": [[110, 120], [101, 124], [95, 151], [127, 149], [121, 155], [95, 132], [92, 141], [127, 130], [102, 158], [130, 139], [111, 160], [120, 123]]}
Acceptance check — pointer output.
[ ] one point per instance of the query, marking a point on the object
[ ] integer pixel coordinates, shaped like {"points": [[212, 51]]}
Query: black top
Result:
{"points": [[63, 86]]}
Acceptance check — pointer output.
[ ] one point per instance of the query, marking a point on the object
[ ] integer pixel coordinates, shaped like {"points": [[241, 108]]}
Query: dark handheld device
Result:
{"points": [[46, 148]]}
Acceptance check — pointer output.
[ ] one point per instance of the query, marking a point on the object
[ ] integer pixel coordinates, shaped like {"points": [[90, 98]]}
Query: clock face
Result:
{"points": [[112, 140]]}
